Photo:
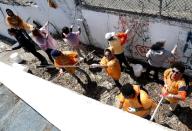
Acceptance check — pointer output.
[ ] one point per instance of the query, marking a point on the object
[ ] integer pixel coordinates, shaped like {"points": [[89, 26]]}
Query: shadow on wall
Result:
{"points": [[7, 40]]}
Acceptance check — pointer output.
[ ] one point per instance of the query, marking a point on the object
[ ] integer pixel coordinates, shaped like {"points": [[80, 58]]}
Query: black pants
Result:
{"points": [[48, 51], [39, 57], [118, 84], [122, 59]]}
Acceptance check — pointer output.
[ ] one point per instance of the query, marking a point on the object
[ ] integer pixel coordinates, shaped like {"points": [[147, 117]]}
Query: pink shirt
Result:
{"points": [[46, 41], [72, 39]]}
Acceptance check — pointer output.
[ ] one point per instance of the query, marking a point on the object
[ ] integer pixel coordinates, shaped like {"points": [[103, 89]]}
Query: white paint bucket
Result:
{"points": [[138, 69], [15, 58]]}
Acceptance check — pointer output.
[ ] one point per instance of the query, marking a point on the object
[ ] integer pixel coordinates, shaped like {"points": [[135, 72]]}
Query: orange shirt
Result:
{"points": [[17, 22], [145, 102], [113, 68], [174, 87], [67, 58], [118, 44]]}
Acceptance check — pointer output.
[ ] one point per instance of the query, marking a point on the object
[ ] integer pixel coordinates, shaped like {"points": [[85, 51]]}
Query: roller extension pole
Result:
{"points": [[156, 109]]}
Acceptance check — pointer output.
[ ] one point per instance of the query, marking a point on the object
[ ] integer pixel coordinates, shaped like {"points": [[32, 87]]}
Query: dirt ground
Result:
{"points": [[102, 88]]}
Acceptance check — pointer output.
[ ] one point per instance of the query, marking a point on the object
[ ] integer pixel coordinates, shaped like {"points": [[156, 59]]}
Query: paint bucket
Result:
{"points": [[137, 69], [15, 58]]}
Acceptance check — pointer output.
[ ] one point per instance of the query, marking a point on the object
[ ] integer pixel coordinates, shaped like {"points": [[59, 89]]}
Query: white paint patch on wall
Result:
{"points": [[99, 24], [160, 31]]}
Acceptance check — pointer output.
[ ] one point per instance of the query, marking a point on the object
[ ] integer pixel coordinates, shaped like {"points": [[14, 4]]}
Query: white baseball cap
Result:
{"points": [[109, 35]]}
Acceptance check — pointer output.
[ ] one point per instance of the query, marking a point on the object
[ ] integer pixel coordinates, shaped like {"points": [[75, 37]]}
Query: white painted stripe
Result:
{"points": [[66, 109]]}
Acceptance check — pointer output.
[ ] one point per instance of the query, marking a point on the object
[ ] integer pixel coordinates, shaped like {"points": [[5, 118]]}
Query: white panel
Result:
{"points": [[68, 110]]}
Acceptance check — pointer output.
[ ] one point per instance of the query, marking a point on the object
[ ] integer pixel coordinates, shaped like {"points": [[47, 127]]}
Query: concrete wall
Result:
{"points": [[146, 31]]}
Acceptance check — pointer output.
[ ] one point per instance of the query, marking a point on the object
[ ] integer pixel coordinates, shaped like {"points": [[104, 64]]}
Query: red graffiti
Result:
{"points": [[123, 23], [142, 50]]}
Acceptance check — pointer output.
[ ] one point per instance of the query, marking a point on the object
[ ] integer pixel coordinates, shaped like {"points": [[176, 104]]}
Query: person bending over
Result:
{"points": [[135, 100], [26, 43]]}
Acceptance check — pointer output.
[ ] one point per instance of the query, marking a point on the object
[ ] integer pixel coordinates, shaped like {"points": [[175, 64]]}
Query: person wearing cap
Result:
{"points": [[44, 40], [116, 43], [111, 65], [26, 43], [135, 100], [64, 58], [174, 88], [73, 40], [156, 57], [67, 58], [14, 21]]}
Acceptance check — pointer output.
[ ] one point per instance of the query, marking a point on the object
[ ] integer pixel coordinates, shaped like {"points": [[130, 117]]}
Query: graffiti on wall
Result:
{"points": [[139, 41], [141, 50], [138, 37], [122, 23], [139, 28]]}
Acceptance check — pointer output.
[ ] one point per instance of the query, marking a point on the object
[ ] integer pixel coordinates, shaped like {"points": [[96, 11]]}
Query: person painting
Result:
{"points": [[44, 40], [174, 89], [26, 43], [14, 21], [111, 65], [117, 42], [135, 100], [157, 56], [72, 39]]}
